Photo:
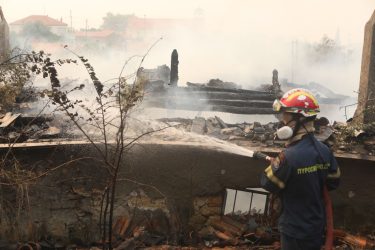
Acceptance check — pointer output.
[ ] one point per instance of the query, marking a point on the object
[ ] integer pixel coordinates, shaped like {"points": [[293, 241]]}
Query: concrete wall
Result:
{"points": [[66, 202]]}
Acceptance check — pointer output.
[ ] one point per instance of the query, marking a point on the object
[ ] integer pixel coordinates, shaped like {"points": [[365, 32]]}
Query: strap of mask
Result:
{"points": [[299, 122]]}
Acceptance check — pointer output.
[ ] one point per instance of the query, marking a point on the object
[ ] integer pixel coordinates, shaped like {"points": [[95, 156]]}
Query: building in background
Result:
{"points": [[55, 26]]}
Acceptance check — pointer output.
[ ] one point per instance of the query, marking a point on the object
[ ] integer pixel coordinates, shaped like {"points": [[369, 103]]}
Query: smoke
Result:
{"points": [[170, 133], [248, 59], [240, 41]]}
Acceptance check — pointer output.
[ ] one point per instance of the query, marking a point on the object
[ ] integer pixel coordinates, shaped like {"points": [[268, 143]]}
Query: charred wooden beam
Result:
{"points": [[242, 110], [210, 93], [203, 106], [275, 83], [208, 89], [176, 101], [239, 96], [238, 101], [174, 68]]}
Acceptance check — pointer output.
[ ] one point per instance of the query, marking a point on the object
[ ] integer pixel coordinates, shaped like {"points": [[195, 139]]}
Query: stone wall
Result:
{"points": [[159, 179]]}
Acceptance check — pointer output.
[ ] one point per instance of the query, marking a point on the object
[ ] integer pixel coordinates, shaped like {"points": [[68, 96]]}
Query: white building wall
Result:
{"points": [[58, 30]]}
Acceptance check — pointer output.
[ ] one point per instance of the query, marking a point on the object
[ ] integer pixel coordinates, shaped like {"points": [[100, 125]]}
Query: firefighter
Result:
{"points": [[298, 174]]}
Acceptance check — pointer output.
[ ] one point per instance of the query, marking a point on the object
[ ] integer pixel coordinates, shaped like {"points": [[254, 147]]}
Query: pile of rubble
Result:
{"points": [[20, 127], [220, 232], [16, 127], [226, 232], [215, 83], [216, 127], [258, 231], [355, 139], [241, 230], [341, 137]]}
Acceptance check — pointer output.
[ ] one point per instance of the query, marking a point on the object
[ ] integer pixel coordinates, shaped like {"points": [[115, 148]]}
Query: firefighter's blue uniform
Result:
{"points": [[298, 175]]}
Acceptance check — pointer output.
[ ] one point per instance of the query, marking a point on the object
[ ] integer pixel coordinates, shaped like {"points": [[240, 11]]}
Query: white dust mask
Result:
{"points": [[284, 133]]}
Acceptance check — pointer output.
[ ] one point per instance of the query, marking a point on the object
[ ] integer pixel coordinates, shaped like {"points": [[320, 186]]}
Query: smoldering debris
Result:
{"points": [[215, 127], [151, 230], [215, 95], [17, 128], [215, 83], [344, 139]]}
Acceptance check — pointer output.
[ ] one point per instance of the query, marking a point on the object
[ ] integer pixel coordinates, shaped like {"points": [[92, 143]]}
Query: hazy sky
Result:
{"points": [[302, 19]]}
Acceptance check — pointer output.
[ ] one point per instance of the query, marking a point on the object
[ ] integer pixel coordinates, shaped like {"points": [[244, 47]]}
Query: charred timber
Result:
{"points": [[186, 103], [174, 68], [196, 106], [236, 101]]}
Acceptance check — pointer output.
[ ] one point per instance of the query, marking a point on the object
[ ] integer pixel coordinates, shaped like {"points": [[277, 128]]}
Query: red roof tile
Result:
{"points": [[46, 20]]}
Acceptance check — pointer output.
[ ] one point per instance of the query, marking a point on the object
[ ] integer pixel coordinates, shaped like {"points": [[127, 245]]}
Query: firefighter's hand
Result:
{"points": [[260, 155]]}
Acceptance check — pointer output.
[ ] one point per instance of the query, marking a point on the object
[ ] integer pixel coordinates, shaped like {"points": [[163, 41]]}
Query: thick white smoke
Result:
{"points": [[237, 41]]}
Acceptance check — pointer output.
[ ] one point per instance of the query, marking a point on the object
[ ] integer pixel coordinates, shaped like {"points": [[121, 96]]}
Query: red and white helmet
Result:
{"points": [[300, 101]]}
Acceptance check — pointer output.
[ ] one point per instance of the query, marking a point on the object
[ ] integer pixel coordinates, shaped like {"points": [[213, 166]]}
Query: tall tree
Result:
{"points": [[116, 22]]}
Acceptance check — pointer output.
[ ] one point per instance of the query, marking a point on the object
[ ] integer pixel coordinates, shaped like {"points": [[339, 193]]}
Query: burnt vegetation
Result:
{"points": [[107, 115]]}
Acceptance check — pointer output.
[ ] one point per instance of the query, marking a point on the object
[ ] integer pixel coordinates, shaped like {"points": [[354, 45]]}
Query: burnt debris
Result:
{"points": [[343, 138], [17, 128], [203, 98]]}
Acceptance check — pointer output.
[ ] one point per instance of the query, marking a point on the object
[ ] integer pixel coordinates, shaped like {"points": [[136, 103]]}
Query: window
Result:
{"points": [[247, 201]]}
